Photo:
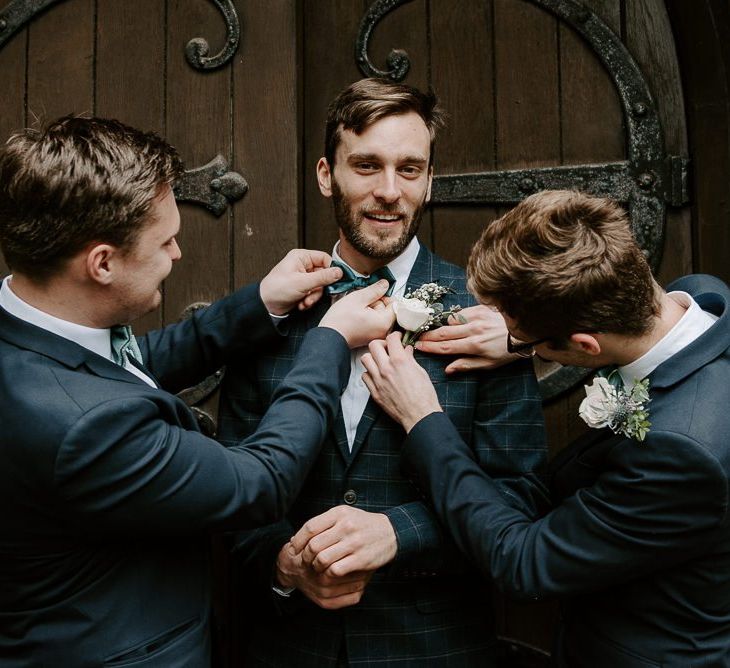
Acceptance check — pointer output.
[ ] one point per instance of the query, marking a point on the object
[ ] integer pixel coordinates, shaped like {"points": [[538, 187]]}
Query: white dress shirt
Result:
{"points": [[96, 340], [691, 325], [356, 394]]}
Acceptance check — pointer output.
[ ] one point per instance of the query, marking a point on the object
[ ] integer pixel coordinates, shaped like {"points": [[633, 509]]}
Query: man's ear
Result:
{"points": [[100, 263], [324, 177], [587, 343]]}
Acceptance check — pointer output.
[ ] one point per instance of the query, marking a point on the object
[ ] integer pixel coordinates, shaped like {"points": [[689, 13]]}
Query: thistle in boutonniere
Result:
{"points": [[623, 411], [421, 310]]}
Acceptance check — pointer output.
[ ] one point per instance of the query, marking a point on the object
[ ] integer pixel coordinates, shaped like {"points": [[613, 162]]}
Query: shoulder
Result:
{"points": [[696, 284]]}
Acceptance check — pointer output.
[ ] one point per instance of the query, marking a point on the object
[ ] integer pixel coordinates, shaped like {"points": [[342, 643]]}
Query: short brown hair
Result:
{"points": [[75, 182], [563, 262], [366, 101]]}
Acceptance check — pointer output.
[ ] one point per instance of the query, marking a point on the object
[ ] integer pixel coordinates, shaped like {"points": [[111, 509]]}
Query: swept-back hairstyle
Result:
{"points": [[563, 262], [74, 182], [366, 101]]}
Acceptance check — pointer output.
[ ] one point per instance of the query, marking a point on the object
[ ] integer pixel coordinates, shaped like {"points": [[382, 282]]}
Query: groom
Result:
{"points": [[636, 541], [402, 592]]}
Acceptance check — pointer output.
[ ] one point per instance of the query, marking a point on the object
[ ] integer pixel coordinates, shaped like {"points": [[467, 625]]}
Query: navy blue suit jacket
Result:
{"points": [[638, 541], [107, 486], [428, 607]]}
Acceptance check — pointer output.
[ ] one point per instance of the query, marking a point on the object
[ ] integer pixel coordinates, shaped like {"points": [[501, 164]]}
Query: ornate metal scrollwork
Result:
{"points": [[19, 12], [647, 181], [212, 186], [397, 59], [197, 49]]}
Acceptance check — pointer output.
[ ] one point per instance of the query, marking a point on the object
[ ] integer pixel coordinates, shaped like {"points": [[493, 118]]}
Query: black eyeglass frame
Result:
{"points": [[524, 349]]}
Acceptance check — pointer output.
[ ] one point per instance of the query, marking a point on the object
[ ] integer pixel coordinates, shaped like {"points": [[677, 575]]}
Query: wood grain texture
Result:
{"points": [[198, 121], [61, 61], [267, 151], [462, 71]]}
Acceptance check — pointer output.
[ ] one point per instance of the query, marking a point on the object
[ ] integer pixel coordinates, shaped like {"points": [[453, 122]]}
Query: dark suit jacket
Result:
{"points": [[638, 543], [428, 607], [106, 485]]}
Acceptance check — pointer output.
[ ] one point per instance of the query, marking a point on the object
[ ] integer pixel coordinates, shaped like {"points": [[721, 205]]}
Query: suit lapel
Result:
{"points": [[29, 337], [425, 270]]}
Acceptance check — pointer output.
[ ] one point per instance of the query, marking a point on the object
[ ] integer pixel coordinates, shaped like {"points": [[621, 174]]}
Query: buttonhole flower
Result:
{"points": [[621, 410]]}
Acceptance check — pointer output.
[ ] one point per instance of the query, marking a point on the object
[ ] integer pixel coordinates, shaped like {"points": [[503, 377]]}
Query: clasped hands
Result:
{"points": [[333, 556]]}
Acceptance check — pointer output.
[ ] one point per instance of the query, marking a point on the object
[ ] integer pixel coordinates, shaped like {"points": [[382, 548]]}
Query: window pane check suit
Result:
{"points": [[428, 607], [638, 541], [107, 485]]}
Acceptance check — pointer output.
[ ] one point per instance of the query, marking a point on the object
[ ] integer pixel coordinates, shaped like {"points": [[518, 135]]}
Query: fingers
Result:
{"points": [[318, 278], [311, 259], [370, 294], [312, 528], [471, 364], [449, 333]]}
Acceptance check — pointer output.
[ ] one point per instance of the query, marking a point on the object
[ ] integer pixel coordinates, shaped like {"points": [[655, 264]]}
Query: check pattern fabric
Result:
{"points": [[429, 607]]}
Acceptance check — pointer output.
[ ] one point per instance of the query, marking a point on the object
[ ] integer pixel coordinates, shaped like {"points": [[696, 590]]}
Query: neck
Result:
{"points": [[363, 264], [60, 298], [624, 350]]}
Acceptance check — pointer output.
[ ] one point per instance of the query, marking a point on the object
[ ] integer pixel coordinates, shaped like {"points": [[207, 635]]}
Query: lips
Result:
{"points": [[383, 217]]}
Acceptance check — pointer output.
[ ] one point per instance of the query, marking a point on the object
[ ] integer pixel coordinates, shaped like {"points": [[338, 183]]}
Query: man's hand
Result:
{"points": [[362, 315], [345, 541], [326, 591], [482, 340], [298, 280], [399, 385]]}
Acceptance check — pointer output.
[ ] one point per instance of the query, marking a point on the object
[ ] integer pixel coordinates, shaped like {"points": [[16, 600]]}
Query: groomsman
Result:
{"points": [[633, 531], [401, 592], [107, 485]]}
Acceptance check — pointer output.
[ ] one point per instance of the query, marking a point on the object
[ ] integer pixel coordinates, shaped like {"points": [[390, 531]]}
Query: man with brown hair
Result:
{"points": [[633, 531], [106, 483], [401, 593]]}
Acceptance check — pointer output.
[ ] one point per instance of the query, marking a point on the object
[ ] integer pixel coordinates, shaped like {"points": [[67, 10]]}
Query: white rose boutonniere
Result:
{"points": [[624, 412], [421, 310]]}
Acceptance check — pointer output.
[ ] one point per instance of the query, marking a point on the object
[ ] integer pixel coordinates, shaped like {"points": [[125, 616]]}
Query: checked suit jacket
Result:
{"points": [[637, 543], [428, 607]]}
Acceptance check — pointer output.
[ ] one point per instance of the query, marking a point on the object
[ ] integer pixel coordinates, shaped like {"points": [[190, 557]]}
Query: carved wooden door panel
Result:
{"points": [[200, 72]]}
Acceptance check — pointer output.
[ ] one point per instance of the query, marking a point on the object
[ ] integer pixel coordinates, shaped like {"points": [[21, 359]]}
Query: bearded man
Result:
{"points": [[400, 590]]}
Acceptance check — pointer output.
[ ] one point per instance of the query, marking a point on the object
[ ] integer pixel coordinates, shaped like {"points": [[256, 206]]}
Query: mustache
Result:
{"points": [[388, 209]]}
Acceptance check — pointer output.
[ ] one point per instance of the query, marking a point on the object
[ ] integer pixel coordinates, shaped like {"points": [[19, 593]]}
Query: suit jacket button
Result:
{"points": [[350, 497]]}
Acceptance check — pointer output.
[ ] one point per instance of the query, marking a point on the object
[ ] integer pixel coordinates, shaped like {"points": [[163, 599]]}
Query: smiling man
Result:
{"points": [[398, 590]]}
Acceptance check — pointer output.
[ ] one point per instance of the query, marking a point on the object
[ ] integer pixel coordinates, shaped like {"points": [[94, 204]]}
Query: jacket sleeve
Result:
{"points": [[126, 465], [610, 532], [508, 441], [237, 326]]}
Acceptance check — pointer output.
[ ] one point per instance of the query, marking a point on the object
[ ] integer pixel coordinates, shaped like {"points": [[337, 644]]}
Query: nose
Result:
{"points": [[387, 189], [175, 252]]}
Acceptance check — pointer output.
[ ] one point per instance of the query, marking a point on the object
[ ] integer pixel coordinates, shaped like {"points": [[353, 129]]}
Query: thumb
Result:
{"points": [[370, 294], [318, 278]]}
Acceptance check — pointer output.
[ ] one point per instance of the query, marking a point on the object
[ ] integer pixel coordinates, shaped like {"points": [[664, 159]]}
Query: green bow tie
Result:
{"points": [[350, 281], [124, 345]]}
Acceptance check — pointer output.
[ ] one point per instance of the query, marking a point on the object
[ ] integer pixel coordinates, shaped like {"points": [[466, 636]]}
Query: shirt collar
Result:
{"points": [[690, 326], [400, 266], [95, 340]]}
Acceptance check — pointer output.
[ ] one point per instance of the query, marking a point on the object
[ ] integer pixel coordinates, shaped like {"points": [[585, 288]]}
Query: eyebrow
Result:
{"points": [[374, 157]]}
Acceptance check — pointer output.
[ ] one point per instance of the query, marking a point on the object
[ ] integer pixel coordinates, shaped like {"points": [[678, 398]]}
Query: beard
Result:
{"points": [[382, 248]]}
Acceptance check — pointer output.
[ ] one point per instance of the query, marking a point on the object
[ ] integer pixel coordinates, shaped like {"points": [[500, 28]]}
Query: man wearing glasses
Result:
{"points": [[633, 531]]}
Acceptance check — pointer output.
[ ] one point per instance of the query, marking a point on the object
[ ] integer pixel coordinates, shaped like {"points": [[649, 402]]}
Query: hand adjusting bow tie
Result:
{"points": [[350, 282], [124, 345]]}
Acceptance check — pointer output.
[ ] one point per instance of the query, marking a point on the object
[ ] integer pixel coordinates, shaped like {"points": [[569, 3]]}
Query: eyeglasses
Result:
{"points": [[522, 348]]}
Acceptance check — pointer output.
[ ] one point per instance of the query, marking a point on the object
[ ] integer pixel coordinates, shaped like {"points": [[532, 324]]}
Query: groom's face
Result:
{"points": [[380, 185]]}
